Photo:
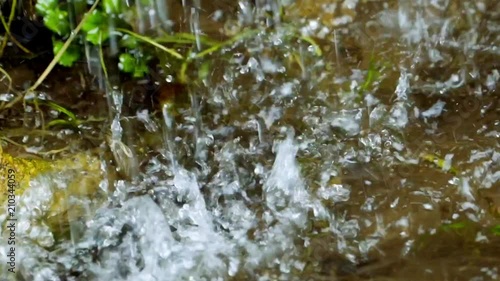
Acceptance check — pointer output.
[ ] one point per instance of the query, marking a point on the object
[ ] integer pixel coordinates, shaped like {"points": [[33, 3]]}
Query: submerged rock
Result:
{"points": [[56, 192]]}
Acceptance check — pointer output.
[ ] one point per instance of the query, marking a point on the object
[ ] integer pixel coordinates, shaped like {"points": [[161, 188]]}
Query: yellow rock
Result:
{"points": [[19, 171], [75, 177]]}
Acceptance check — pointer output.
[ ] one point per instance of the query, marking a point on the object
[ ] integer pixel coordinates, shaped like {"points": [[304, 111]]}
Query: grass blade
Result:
{"points": [[151, 42]]}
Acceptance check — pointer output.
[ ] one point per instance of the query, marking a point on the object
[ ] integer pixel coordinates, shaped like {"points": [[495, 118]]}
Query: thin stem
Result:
{"points": [[226, 43], [6, 25], [103, 65], [6, 75]]}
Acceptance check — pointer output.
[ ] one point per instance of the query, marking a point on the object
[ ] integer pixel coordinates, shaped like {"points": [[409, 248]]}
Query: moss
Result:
{"points": [[80, 172]]}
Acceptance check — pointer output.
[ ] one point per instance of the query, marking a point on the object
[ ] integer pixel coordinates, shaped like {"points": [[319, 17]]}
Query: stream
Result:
{"points": [[370, 152]]}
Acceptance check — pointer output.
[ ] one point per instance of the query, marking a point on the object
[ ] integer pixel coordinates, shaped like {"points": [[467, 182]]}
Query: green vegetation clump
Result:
{"points": [[97, 29], [111, 20], [78, 28]]}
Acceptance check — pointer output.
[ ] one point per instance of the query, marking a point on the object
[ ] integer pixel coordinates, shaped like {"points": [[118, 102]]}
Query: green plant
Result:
{"points": [[100, 24], [136, 51], [55, 18], [70, 56], [110, 19]]}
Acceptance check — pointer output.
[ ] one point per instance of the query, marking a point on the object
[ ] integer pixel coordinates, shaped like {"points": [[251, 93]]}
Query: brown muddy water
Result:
{"points": [[378, 159]]}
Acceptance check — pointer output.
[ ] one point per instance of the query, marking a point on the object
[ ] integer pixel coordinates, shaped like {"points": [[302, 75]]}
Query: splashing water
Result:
{"points": [[142, 240]]}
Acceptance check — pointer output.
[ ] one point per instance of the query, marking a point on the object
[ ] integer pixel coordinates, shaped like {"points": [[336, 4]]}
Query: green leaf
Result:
{"points": [[317, 49], [60, 123], [96, 28], [69, 57], [372, 75], [454, 226], [135, 65], [439, 162], [129, 42], [71, 116], [152, 42], [496, 230], [127, 63], [204, 70], [185, 38], [141, 70], [43, 7], [57, 21], [112, 6]]}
